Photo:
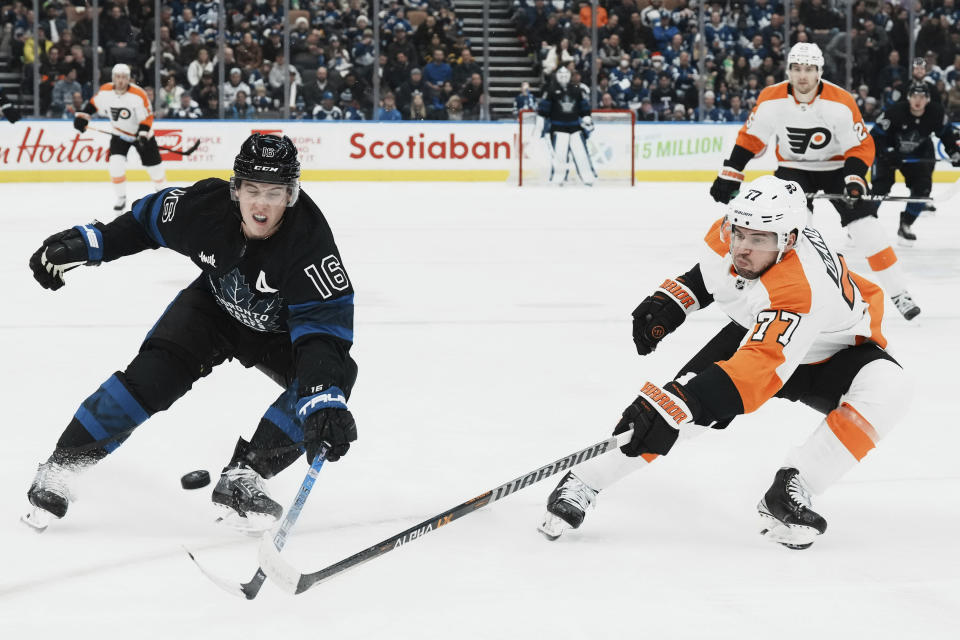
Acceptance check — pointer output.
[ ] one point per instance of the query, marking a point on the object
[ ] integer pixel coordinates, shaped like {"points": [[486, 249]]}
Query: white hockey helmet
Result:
{"points": [[806, 53], [121, 69], [768, 204], [563, 76]]}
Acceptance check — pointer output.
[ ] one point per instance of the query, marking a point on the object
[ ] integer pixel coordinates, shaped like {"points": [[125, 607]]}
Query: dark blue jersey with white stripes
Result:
{"points": [[292, 282]]}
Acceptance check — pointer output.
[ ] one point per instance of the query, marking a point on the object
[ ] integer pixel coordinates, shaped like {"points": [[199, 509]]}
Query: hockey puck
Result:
{"points": [[195, 479]]}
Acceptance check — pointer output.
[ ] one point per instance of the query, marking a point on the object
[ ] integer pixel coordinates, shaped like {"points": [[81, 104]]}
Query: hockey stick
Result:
{"points": [[871, 198], [250, 589], [290, 579], [190, 149]]}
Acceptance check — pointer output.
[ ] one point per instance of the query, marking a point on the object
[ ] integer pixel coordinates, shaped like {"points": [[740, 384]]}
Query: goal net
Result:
{"points": [[610, 145]]}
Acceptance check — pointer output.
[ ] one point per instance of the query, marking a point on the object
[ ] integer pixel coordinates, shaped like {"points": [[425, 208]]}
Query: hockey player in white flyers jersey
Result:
{"points": [[128, 108], [822, 143], [803, 327]]}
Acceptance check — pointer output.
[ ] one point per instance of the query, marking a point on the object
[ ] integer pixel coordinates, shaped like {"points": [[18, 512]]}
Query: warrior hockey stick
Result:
{"points": [[250, 589], [290, 579], [189, 150]]}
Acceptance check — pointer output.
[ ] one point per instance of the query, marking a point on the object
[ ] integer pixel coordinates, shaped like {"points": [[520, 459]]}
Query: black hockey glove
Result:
{"points": [[727, 184], [855, 187], [80, 123], [327, 419], [64, 251], [10, 112], [655, 416], [660, 314]]}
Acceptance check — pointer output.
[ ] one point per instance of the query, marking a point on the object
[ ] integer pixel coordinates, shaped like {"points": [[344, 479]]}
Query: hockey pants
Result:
{"points": [[191, 338]]}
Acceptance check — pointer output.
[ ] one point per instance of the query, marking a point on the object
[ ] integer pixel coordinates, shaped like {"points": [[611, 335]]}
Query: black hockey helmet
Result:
{"points": [[267, 158], [919, 88]]}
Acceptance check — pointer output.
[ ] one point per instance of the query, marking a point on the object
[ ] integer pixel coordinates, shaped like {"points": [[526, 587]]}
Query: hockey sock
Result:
{"points": [[912, 212], [117, 166], [158, 175], [108, 416], [866, 413], [871, 241], [276, 443]]}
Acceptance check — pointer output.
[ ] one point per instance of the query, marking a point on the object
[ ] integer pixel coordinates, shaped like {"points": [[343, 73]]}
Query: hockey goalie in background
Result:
{"points": [[566, 123]]}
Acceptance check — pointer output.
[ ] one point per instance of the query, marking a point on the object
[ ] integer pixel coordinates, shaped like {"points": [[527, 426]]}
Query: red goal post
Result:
{"points": [[612, 149]]}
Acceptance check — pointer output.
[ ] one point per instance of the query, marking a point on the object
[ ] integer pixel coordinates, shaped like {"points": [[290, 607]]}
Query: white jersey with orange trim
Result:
{"points": [[817, 136], [802, 310], [126, 111]]}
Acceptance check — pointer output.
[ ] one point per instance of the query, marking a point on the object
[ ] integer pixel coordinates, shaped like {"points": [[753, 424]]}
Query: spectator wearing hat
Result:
{"points": [[234, 84], [388, 112], [349, 106], [327, 110], [363, 50], [647, 113], [360, 91], [870, 109], [402, 44], [338, 59], [272, 44], [415, 83], [710, 112], [324, 81]]}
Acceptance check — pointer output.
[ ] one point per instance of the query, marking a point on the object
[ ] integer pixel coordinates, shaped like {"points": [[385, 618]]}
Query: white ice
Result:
{"points": [[493, 336]]}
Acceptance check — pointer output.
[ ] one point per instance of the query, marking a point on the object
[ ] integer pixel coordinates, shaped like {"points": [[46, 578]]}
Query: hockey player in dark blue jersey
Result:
{"points": [[902, 137], [272, 294], [566, 119]]}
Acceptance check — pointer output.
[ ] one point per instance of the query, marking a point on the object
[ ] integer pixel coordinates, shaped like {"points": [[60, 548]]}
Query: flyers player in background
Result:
{"points": [[128, 108], [803, 327], [824, 145]]}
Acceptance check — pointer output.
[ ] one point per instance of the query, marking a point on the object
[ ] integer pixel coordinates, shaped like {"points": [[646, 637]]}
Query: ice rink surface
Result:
{"points": [[493, 336]]}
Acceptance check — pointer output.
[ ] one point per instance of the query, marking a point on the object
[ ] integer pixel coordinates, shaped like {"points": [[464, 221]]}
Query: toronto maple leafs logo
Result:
{"points": [[261, 313], [567, 104]]}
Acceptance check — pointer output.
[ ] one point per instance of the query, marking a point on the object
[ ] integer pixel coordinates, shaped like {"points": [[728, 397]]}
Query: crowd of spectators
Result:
{"points": [[649, 51], [427, 70], [648, 57]]}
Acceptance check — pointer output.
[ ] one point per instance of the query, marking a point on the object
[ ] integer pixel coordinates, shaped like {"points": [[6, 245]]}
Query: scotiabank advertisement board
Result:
{"points": [[52, 150]]}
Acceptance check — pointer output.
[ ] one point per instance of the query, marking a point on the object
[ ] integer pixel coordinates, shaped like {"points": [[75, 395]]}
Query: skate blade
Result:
{"points": [[251, 524], [792, 536], [552, 527], [37, 519], [903, 242]]}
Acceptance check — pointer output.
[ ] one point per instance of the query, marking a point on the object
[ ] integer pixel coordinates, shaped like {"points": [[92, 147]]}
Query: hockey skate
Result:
{"points": [[244, 501], [786, 513], [49, 494], [567, 506], [905, 235], [906, 305], [120, 204]]}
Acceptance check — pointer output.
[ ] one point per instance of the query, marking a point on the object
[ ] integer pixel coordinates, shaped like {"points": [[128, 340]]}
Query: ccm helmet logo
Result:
{"points": [[260, 167]]}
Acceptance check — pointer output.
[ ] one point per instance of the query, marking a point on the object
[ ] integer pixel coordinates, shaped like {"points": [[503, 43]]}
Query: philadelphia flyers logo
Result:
{"points": [[803, 139], [119, 113]]}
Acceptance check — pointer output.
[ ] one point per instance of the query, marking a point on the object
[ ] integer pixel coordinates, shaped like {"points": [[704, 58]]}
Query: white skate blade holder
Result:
{"points": [[787, 534], [37, 519], [254, 524]]}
